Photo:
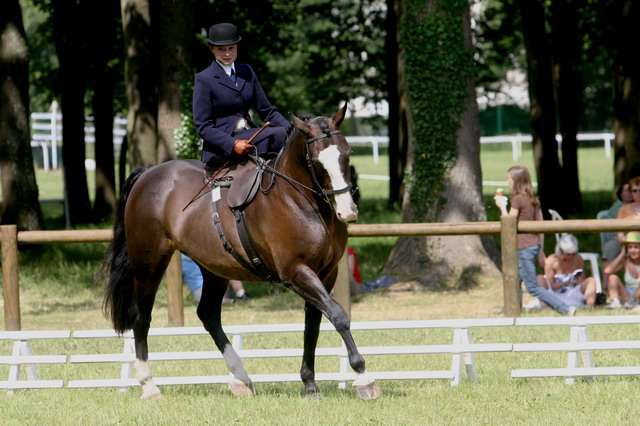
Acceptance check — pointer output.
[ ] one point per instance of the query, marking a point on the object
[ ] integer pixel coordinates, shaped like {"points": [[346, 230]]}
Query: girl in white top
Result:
{"points": [[626, 293]]}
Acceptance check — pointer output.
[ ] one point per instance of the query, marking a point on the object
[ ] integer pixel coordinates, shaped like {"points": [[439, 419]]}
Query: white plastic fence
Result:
{"points": [[46, 134], [462, 351], [46, 128], [516, 142]]}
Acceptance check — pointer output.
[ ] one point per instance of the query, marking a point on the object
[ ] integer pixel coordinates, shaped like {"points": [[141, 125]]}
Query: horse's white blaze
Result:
{"points": [[344, 205], [363, 379]]}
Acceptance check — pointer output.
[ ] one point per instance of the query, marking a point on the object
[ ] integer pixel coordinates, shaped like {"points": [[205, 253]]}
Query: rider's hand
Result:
{"points": [[242, 147]]}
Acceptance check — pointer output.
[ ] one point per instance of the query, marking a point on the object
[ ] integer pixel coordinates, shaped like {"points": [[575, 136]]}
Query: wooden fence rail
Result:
{"points": [[508, 228]]}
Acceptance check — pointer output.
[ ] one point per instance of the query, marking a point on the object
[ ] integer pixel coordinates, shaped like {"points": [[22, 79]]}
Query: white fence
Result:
{"points": [[516, 142], [46, 128], [46, 134], [461, 350]]}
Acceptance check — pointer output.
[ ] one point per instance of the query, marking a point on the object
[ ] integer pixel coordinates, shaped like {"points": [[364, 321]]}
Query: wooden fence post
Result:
{"points": [[342, 289], [510, 273], [175, 301], [11, 287]]}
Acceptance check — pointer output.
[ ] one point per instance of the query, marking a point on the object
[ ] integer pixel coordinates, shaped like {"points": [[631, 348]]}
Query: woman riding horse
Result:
{"points": [[297, 222]]}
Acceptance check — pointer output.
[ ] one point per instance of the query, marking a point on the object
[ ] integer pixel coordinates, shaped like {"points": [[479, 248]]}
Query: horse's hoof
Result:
{"points": [[152, 394], [367, 392], [314, 395], [239, 388]]}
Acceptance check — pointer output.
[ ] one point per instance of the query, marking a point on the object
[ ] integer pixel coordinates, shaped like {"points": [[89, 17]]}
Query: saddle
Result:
{"points": [[243, 181], [245, 185]]}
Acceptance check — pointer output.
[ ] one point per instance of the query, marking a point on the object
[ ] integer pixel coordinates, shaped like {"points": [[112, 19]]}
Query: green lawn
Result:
{"points": [[57, 291]]}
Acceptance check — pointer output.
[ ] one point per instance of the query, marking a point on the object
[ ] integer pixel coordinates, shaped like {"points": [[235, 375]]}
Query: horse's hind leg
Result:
{"points": [[140, 333], [146, 285], [209, 310]]}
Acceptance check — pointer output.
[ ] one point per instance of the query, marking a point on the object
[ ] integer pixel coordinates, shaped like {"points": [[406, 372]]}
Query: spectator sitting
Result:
{"points": [[630, 210], [626, 293], [609, 240], [564, 274], [192, 276]]}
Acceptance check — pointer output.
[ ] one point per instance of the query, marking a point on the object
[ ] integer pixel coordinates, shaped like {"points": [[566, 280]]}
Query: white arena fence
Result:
{"points": [[46, 134], [462, 352]]}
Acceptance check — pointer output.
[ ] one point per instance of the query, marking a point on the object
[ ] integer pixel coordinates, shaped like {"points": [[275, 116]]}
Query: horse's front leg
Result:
{"points": [[209, 312], [309, 286], [312, 320]]}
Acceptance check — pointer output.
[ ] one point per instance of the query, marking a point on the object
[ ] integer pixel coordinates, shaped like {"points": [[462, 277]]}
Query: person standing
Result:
{"points": [[526, 206], [223, 94]]}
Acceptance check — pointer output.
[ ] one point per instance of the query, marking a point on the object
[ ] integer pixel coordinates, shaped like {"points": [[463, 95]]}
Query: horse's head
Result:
{"points": [[328, 161]]}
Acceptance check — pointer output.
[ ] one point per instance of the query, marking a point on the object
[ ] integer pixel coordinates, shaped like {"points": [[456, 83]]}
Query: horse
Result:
{"points": [[297, 223]]}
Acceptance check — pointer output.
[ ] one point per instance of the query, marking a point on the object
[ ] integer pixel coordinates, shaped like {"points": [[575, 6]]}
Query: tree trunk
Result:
{"points": [[19, 189], [626, 85], [397, 145], [543, 111], [105, 16], [70, 39], [461, 258], [567, 56], [141, 79], [176, 37]]}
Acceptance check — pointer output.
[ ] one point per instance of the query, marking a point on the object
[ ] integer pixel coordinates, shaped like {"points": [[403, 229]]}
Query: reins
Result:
{"points": [[323, 193]]}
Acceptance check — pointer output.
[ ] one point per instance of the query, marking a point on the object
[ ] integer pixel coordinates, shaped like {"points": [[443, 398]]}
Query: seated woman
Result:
{"points": [[564, 274], [626, 293]]}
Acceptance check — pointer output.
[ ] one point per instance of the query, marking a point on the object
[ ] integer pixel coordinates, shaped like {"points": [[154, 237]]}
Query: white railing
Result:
{"points": [[515, 140], [46, 133], [46, 128], [461, 350]]}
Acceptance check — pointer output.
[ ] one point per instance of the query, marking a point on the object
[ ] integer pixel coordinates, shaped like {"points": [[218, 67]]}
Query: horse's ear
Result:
{"points": [[300, 124], [339, 116]]}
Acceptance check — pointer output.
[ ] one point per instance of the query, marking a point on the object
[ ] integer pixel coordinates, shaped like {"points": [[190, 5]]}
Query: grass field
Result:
{"points": [[58, 292]]}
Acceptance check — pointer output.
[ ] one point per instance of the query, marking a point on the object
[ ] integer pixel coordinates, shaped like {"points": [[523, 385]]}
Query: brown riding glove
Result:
{"points": [[242, 147]]}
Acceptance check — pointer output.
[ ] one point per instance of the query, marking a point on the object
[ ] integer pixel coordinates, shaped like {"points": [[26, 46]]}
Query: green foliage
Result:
{"points": [[188, 142], [437, 68], [500, 48]]}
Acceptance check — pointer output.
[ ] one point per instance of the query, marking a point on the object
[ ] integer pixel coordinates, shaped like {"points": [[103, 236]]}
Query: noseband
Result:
{"points": [[324, 192]]}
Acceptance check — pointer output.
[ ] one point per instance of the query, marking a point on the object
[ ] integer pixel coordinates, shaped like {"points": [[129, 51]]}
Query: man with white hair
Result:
{"points": [[564, 274]]}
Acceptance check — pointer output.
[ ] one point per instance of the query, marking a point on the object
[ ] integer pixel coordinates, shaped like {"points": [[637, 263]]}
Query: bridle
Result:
{"points": [[322, 193]]}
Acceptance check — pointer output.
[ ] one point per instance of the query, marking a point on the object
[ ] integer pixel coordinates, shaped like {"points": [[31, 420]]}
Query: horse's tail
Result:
{"points": [[116, 272]]}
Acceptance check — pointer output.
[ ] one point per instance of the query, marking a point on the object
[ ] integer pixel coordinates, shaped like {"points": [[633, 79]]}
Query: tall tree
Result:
{"points": [[106, 47], [567, 58], [176, 36], [437, 97], [542, 105], [397, 127], [626, 84], [19, 188], [70, 35], [141, 80]]}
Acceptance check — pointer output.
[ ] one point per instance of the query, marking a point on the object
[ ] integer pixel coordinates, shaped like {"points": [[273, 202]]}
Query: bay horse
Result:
{"points": [[298, 226]]}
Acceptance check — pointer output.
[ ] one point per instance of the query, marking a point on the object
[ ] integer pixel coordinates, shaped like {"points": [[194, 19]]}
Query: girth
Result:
{"points": [[242, 191]]}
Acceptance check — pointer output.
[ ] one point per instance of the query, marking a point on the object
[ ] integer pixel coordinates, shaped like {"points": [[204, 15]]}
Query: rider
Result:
{"points": [[222, 96]]}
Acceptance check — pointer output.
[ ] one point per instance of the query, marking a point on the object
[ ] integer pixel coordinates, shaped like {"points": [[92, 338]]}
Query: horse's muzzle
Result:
{"points": [[348, 215]]}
